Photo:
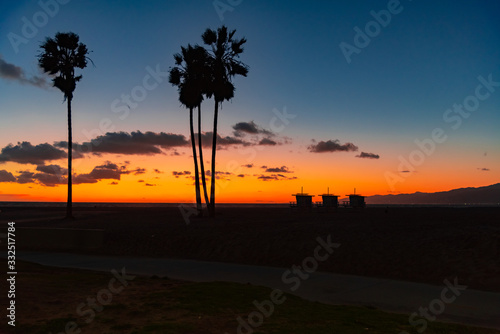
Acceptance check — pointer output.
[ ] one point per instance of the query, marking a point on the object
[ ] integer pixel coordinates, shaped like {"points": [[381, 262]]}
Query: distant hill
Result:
{"points": [[480, 195]]}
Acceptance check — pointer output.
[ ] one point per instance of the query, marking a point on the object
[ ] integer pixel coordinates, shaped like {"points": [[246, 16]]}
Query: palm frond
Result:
{"points": [[60, 56]]}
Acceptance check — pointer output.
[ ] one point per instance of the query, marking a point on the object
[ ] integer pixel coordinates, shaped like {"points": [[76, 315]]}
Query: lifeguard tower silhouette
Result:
{"points": [[330, 201], [356, 201], [303, 200]]}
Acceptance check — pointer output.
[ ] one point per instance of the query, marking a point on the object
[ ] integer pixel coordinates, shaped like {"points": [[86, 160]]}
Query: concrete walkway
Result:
{"points": [[467, 306]]}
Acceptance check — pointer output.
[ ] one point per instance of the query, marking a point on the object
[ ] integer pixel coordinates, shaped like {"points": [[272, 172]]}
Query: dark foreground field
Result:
{"points": [[413, 244], [58, 300]]}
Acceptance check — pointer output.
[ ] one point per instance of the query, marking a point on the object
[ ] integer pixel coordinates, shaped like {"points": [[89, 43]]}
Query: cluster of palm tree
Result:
{"points": [[201, 72], [198, 73]]}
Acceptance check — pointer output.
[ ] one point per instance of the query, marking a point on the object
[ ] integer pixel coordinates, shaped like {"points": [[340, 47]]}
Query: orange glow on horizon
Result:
{"points": [[340, 172]]}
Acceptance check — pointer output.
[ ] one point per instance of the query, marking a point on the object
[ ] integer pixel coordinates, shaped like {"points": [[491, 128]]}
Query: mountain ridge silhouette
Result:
{"points": [[470, 195]]}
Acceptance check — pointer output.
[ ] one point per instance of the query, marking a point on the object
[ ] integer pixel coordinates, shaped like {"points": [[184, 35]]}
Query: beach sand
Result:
{"points": [[424, 245]]}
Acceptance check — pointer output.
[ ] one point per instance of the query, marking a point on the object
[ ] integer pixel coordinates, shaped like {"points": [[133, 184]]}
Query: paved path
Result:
{"points": [[472, 307]]}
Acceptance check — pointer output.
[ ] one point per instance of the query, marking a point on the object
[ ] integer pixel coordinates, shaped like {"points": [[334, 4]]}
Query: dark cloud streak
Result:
{"points": [[368, 155], [332, 146], [15, 73], [26, 153]]}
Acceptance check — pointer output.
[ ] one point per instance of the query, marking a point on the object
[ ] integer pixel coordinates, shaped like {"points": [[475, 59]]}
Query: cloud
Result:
{"points": [[484, 169], [184, 173], [26, 153], [147, 143], [368, 155], [106, 171], [114, 183], [275, 177], [6, 176], [206, 140], [282, 169], [219, 175], [150, 185], [25, 177], [247, 165], [53, 175], [51, 169], [260, 135], [15, 73], [241, 175], [156, 170], [138, 171], [242, 128], [150, 143], [332, 146], [50, 180], [267, 141], [209, 173]]}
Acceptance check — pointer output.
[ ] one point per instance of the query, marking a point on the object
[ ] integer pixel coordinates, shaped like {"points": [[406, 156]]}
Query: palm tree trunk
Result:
{"points": [[202, 163], [214, 150], [196, 173], [69, 204]]}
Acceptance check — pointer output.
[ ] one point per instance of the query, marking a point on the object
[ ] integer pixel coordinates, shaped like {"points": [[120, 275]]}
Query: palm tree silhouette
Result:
{"points": [[189, 75], [59, 58], [224, 51]]}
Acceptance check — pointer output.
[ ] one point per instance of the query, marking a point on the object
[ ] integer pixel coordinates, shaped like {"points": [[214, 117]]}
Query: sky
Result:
{"points": [[383, 96]]}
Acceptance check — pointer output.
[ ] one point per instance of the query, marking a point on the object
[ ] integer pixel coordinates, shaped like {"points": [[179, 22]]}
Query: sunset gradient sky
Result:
{"points": [[357, 105]]}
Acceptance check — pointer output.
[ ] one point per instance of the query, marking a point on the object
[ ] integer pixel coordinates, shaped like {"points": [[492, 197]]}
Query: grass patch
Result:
{"points": [[151, 305]]}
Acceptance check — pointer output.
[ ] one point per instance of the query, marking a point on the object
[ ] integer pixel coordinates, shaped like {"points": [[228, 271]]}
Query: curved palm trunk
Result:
{"points": [[195, 158], [202, 163], [214, 150], [69, 204]]}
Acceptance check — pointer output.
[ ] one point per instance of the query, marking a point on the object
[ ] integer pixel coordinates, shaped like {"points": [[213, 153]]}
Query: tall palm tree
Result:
{"points": [[59, 58], [202, 163], [188, 75], [224, 50]]}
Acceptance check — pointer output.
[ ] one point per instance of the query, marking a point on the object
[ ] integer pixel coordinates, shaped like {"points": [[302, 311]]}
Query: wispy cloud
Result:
{"points": [[282, 169], [242, 128], [257, 135], [275, 177], [147, 143], [206, 140], [6, 176], [26, 153], [182, 173], [368, 155], [332, 146], [54, 175], [15, 73], [107, 171], [268, 142]]}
